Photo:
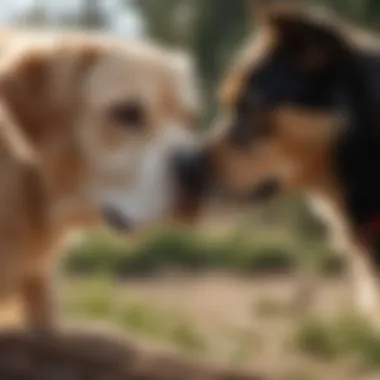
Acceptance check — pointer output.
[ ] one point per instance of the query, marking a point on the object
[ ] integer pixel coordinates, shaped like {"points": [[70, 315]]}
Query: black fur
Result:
{"points": [[351, 85], [276, 83], [358, 153]]}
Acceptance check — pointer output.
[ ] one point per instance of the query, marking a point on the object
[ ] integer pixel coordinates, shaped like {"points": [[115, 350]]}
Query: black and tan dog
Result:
{"points": [[302, 111]]}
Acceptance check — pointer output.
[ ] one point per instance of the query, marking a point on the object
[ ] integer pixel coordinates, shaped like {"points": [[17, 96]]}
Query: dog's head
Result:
{"points": [[283, 104], [111, 122]]}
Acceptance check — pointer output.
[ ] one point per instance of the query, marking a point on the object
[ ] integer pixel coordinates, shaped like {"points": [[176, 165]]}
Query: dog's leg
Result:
{"points": [[365, 285], [38, 301]]}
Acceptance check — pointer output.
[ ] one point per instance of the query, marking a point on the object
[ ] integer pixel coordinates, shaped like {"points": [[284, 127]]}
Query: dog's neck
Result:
{"points": [[357, 157]]}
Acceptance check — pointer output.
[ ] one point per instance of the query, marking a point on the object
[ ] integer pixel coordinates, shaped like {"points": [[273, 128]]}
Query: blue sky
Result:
{"points": [[123, 18]]}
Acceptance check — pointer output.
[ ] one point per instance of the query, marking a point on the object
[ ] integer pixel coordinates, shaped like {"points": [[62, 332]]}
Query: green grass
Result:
{"points": [[142, 318], [257, 252], [346, 337], [161, 325], [184, 335], [245, 343], [270, 307], [316, 339], [92, 300]]}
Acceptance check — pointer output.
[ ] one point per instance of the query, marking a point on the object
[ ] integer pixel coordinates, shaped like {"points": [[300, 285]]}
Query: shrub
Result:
{"points": [[142, 318], [185, 336], [257, 253], [90, 299], [316, 339], [98, 253], [348, 336]]}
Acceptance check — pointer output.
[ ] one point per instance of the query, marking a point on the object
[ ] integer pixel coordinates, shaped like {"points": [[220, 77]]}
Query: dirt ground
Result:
{"points": [[245, 323], [250, 323]]}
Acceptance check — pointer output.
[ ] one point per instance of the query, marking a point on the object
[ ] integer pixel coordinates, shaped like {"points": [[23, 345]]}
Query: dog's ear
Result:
{"points": [[41, 92], [40, 87], [308, 37]]}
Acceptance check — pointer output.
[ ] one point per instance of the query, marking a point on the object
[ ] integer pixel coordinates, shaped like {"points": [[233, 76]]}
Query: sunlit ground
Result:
{"points": [[225, 294], [239, 321], [232, 301]]}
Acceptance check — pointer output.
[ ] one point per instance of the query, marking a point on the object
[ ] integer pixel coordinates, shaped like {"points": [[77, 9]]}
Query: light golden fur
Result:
{"points": [[63, 158]]}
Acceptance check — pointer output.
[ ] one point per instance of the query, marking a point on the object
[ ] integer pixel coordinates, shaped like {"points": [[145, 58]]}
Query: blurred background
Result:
{"points": [[224, 291]]}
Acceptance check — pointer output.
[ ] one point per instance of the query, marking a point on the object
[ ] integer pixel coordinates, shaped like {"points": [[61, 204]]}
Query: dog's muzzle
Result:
{"points": [[191, 171], [189, 175], [266, 190], [116, 219]]}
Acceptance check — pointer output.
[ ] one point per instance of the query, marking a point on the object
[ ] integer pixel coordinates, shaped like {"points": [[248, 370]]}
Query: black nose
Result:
{"points": [[266, 190], [191, 171]]}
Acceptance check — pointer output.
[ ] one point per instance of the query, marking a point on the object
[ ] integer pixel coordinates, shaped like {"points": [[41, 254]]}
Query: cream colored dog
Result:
{"points": [[90, 127]]}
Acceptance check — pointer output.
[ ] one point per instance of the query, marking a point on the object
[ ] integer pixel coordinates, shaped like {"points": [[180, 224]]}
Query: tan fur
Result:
{"points": [[298, 150], [301, 142], [56, 90]]}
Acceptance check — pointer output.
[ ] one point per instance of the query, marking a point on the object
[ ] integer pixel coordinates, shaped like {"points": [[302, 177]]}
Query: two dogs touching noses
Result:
{"points": [[95, 129], [300, 112]]}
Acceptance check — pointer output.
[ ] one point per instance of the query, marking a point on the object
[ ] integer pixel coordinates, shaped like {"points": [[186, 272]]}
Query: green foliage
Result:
{"points": [[244, 344], [356, 336], [142, 318], [186, 336], [270, 308], [209, 29], [364, 12], [258, 253], [147, 320], [98, 253], [346, 337], [93, 301], [315, 338], [212, 30], [166, 20]]}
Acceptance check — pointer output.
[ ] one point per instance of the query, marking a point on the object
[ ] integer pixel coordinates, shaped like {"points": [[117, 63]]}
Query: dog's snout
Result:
{"points": [[266, 190], [115, 219], [191, 171]]}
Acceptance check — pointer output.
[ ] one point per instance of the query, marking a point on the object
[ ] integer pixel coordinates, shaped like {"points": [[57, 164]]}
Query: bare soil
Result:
{"points": [[250, 323]]}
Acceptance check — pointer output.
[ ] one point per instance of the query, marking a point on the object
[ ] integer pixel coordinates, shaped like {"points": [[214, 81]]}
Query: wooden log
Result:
{"points": [[82, 354]]}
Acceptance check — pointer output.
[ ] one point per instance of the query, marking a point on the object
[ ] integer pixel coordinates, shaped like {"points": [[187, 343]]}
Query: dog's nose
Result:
{"points": [[266, 190], [191, 171]]}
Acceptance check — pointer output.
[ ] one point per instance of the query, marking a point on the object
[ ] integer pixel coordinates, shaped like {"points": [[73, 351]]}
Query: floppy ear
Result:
{"points": [[306, 37], [40, 90], [40, 86]]}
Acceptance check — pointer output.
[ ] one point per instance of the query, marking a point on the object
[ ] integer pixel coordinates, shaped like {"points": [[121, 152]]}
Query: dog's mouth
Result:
{"points": [[184, 210], [266, 190], [117, 220]]}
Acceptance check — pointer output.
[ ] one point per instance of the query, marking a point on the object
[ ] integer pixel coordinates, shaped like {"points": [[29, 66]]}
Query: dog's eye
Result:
{"points": [[130, 115]]}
